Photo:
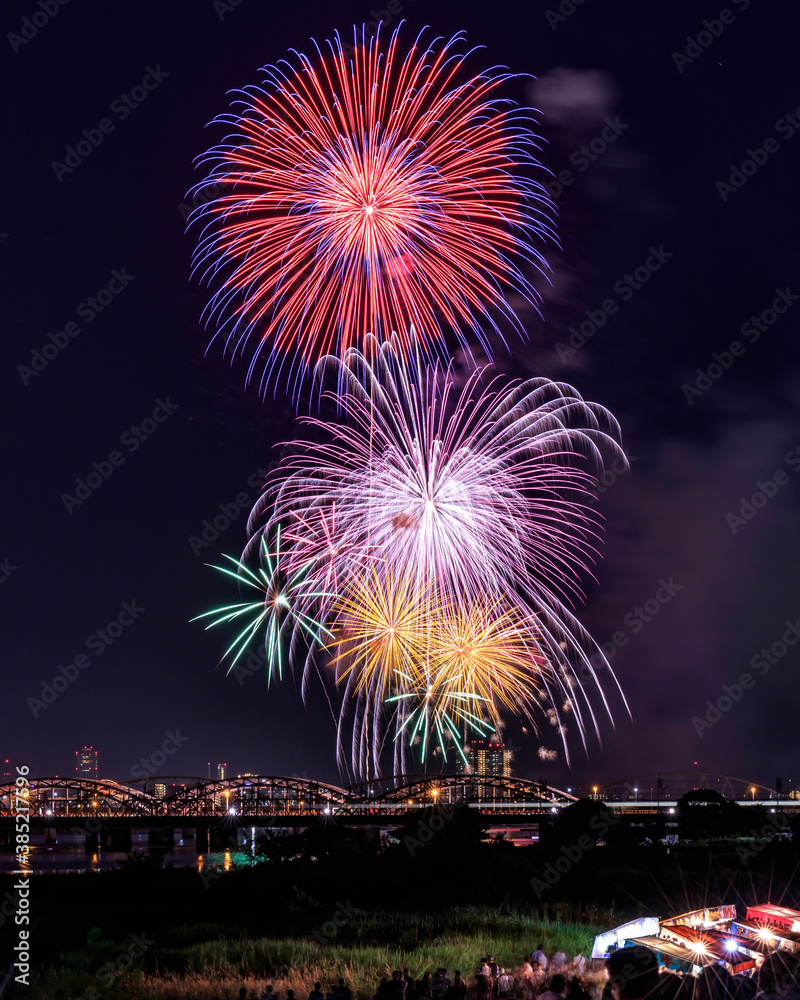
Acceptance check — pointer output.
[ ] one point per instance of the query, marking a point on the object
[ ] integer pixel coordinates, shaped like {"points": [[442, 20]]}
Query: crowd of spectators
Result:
{"points": [[335, 992], [528, 980], [633, 974]]}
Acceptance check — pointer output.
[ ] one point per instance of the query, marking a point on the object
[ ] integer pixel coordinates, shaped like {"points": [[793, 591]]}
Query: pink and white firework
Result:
{"points": [[466, 495]]}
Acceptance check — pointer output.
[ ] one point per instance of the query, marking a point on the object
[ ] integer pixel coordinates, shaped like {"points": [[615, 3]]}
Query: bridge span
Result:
{"points": [[107, 811], [255, 797], [259, 800]]}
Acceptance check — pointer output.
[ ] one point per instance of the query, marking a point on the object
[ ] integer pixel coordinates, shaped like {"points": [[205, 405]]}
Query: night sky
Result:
{"points": [[129, 385]]}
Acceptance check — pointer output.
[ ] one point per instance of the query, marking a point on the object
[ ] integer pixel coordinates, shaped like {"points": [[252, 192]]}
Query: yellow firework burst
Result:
{"points": [[473, 662], [379, 631], [490, 654], [446, 669]]}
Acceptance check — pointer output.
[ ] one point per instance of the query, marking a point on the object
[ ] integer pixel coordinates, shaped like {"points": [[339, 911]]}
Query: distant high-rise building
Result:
{"points": [[5, 771], [86, 763], [223, 797], [247, 791], [487, 758], [160, 789]]}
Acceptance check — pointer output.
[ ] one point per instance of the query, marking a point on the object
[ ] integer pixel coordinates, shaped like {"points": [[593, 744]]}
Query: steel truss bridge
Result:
{"points": [[660, 785], [293, 801], [297, 800]]}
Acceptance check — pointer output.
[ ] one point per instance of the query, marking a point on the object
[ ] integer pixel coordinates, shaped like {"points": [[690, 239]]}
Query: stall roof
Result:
{"points": [[705, 915], [690, 936], [780, 916], [666, 949], [663, 947], [746, 929], [614, 938]]}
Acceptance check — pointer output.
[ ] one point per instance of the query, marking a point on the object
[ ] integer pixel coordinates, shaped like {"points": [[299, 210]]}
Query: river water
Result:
{"points": [[68, 854]]}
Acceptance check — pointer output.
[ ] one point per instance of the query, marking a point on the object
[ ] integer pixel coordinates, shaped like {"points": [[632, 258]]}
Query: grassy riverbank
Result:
{"points": [[205, 961]]}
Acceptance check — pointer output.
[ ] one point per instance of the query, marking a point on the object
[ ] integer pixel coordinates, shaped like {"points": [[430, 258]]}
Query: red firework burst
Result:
{"points": [[377, 193]]}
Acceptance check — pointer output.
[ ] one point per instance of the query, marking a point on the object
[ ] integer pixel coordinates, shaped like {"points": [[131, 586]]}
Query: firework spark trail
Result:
{"points": [[381, 645], [277, 615], [369, 195], [380, 629], [466, 496]]}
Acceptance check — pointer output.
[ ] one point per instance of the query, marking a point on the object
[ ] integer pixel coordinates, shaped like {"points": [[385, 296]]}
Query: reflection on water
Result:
{"points": [[68, 854], [224, 861]]}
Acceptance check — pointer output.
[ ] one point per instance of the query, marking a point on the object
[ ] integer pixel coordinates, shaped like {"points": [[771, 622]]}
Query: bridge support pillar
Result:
{"points": [[188, 833], [223, 838], [163, 836], [92, 842], [117, 839], [6, 841], [50, 835], [203, 837]]}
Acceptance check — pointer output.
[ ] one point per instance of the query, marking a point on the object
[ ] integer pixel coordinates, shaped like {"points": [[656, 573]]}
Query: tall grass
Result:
{"points": [[362, 950]]}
